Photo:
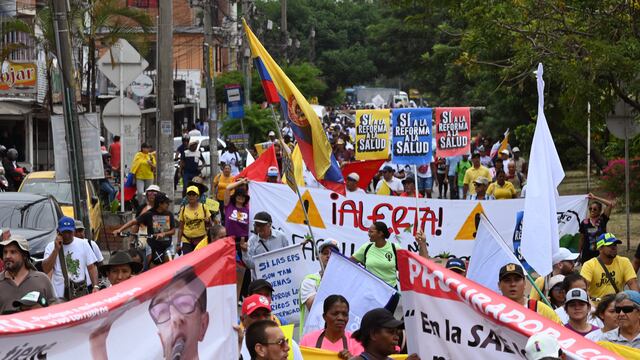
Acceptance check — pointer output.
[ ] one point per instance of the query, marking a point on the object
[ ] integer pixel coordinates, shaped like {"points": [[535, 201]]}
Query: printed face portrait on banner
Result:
{"points": [[453, 131], [372, 134], [411, 134]]}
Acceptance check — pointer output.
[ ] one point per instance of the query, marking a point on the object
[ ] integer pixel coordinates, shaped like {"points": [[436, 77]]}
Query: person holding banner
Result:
{"points": [[593, 226], [389, 184], [379, 255], [264, 240], [334, 337], [379, 335], [236, 209]]}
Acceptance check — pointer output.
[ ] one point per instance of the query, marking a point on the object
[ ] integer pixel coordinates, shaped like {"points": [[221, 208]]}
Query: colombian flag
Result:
{"points": [[307, 129]]}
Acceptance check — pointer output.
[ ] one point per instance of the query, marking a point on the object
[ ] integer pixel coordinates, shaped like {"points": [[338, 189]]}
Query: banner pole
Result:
{"points": [[295, 184], [415, 180], [543, 298]]}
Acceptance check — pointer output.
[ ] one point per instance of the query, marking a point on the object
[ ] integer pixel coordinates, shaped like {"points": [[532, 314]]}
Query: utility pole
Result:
{"points": [[165, 169], [71, 123], [283, 27], [210, 20], [246, 54]]}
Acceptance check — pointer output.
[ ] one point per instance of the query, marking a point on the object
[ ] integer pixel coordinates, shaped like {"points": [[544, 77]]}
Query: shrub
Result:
{"points": [[612, 181]]}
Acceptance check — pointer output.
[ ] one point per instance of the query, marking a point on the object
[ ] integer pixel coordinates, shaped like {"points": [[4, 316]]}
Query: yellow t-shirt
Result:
{"points": [[202, 244], [222, 182], [472, 174], [539, 283], [141, 168], [506, 191], [194, 221], [620, 269]]}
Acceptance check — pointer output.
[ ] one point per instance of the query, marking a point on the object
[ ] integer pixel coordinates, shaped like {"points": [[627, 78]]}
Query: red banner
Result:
{"points": [[450, 317], [138, 318], [453, 131]]}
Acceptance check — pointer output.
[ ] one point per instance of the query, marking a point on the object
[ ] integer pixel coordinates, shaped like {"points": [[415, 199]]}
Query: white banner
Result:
{"points": [[450, 225], [138, 318], [91, 154], [449, 317], [285, 269], [363, 290]]}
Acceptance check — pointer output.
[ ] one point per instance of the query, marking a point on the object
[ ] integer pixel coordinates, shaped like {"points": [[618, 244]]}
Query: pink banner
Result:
{"points": [[453, 131]]}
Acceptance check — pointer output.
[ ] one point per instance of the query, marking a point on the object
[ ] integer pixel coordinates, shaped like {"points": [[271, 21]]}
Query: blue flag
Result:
{"points": [[411, 136]]}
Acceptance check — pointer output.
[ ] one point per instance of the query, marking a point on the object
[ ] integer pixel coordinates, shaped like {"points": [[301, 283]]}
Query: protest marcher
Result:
{"points": [[511, 283], [556, 294], [485, 156], [236, 209], [191, 164], [517, 159], [379, 255], [210, 204], [441, 177], [563, 264], [80, 234], [264, 288], [352, 183], [120, 268], [195, 220], [575, 281], [311, 282], [114, 157], [480, 185], [341, 154], [409, 184], [578, 308], [231, 157], [255, 308], [472, 173], [217, 232], [31, 300], [608, 273], [628, 310], [272, 174], [178, 156], [265, 341], [378, 334], [460, 170], [593, 226], [501, 189], [143, 167], [389, 184], [457, 266], [334, 336], [79, 260], [515, 177], [19, 276], [452, 164], [542, 346], [606, 312], [220, 182], [264, 240], [425, 178]]}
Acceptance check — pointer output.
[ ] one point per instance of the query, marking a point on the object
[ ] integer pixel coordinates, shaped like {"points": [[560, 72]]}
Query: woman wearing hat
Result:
{"points": [[194, 219], [120, 268], [220, 182], [236, 209], [379, 335], [578, 308]]}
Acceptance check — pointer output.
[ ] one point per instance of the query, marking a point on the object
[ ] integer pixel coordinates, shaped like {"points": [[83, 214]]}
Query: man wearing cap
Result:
{"points": [[255, 308], [120, 268], [352, 183], [542, 346], [389, 184], [628, 309], [409, 184], [480, 184], [511, 283], [475, 171], [608, 266], [272, 174], [563, 263], [191, 164], [458, 266], [264, 240], [79, 260], [311, 282], [517, 159], [20, 276], [379, 335], [272, 136]]}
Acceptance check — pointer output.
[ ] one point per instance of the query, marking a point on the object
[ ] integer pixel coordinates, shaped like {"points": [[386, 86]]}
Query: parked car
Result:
{"points": [[32, 216], [44, 183], [203, 145]]}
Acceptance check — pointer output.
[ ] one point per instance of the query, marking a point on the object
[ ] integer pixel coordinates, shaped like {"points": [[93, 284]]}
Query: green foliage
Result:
{"points": [[257, 123], [307, 79], [612, 181]]}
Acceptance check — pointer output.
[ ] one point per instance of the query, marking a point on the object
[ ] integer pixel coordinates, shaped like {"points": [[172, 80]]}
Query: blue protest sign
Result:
{"points": [[517, 236], [235, 108], [411, 136]]}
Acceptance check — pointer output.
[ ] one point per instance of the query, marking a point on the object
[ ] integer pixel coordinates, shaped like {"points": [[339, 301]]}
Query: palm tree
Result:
{"points": [[106, 22]]}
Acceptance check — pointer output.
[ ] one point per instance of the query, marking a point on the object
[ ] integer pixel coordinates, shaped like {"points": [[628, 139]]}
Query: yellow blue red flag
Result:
{"points": [[306, 127]]}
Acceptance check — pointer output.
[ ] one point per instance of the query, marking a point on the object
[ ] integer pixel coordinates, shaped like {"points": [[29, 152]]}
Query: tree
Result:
{"points": [[257, 123]]}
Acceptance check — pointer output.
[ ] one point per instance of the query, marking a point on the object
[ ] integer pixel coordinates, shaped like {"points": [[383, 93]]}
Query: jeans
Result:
{"points": [[186, 179], [107, 188], [452, 188]]}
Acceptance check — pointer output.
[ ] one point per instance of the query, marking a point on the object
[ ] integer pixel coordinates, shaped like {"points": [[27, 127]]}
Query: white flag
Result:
{"points": [[490, 253], [540, 238], [362, 289]]}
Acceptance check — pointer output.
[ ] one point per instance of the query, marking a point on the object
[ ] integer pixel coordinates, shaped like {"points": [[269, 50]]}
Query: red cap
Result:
{"points": [[255, 302]]}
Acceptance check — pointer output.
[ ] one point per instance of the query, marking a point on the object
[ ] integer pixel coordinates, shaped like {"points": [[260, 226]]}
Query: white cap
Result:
{"points": [[576, 294], [505, 151], [101, 138], [353, 176], [555, 280], [515, 149], [542, 345], [271, 133], [153, 188], [564, 254], [272, 171]]}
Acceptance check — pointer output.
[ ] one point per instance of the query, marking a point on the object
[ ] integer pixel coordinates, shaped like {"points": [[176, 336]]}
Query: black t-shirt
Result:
{"points": [[590, 233], [157, 222]]}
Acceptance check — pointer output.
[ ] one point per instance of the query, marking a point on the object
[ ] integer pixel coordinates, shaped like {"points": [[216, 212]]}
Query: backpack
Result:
{"points": [[366, 250]]}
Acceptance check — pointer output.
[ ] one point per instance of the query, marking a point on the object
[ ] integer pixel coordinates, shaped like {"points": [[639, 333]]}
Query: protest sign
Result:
{"points": [[285, 269], [372, 134], [450, 317], [411, 134], [453, 131], [450, 226], [363, 290], [118, 322]]}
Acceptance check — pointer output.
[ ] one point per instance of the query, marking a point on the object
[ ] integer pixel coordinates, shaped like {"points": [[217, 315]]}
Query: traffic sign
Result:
{"points": [[111, 115], [142, 85], [122, 56]]}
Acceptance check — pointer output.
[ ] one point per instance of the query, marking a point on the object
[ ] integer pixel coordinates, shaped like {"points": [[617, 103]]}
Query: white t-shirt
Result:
{"points": [[78, 255], [97, 253], [358, 190], [195, 132], [297, 355], [232, 159], [308, 288], [394, 184]]}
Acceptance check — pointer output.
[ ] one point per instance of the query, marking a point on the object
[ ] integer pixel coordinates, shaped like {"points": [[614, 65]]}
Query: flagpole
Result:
{"points": [[297, 190], [415, 179]]}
